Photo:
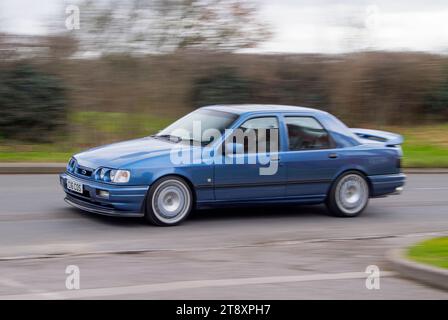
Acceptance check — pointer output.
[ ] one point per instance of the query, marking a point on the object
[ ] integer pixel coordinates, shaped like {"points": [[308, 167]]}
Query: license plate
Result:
{"points": [[74, 186]]}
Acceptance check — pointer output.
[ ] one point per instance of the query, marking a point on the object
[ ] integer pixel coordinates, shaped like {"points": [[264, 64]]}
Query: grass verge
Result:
{"points": [[424, 146], [433, 252], [86, 129]]}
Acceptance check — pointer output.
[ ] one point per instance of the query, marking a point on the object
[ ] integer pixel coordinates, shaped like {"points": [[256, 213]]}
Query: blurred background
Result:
{"points": [[76, 74]]}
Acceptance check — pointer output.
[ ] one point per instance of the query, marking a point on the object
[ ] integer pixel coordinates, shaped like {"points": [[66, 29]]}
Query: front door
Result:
{"points": [[252, 170]]}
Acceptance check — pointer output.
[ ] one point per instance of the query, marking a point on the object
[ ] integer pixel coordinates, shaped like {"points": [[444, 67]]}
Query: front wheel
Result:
{"points": [[349, 195], [169, 201]]}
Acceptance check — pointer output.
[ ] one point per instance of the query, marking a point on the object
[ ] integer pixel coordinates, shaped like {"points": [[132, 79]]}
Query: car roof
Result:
{"points": [[253, 108]]}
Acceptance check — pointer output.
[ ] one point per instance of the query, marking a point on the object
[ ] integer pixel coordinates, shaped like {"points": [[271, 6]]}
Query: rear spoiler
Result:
{"points": [[376, 136]]}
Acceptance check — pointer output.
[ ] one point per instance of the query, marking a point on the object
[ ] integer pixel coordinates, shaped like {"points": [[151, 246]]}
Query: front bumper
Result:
{"points": [[126, 201], [387, 184]]}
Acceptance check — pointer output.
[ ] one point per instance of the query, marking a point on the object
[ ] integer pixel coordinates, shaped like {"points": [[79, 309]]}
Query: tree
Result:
{"points": [[160, 26], [32, 104], [436, 102], [223, 86]]}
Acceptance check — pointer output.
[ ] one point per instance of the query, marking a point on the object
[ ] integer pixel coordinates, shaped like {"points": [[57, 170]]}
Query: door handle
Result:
{"points": [[333, 155]]}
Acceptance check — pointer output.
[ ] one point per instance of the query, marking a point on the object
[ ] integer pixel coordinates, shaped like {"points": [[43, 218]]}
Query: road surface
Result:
{"points": [[258, 253]]}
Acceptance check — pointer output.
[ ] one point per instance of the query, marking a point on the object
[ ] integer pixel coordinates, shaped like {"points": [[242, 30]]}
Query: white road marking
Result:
{"points": [[430, 188], [182, 285], [11, 283]]}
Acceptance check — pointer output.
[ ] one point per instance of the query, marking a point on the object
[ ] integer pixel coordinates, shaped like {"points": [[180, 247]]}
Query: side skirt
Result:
{"points": [[315, 199]]}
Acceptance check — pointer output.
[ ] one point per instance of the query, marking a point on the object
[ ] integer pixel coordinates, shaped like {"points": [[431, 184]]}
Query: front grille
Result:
{"points": [[85, 172]]}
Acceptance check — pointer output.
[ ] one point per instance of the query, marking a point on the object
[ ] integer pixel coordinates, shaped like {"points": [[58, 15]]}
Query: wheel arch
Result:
{"points": [[356, 170], [177, 175]]}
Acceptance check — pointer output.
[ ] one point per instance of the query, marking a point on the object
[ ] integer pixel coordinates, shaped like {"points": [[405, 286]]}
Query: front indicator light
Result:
{"points": [[120, 176], [102, 173], [71, 165]]}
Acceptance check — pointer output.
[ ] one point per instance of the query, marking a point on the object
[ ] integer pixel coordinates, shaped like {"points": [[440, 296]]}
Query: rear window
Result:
{"points": [[306, 133]]}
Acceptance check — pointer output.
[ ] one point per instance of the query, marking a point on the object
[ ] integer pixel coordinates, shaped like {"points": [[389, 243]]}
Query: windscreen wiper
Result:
{"points": [[167, 137]]}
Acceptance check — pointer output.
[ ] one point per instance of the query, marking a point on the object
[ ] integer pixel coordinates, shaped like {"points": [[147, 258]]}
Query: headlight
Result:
{"points": [[120, 176], [112, 175]]}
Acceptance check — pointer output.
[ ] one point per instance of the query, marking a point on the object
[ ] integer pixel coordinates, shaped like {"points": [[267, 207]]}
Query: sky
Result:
{"points": [[299, 26]]}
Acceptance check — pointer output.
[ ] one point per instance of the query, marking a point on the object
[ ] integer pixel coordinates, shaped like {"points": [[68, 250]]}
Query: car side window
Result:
{"points": [[258, 135], [306, 133]]}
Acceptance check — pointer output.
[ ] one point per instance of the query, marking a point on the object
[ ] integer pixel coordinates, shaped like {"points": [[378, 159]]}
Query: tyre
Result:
{"points": [[169, 201], [348, 195]]}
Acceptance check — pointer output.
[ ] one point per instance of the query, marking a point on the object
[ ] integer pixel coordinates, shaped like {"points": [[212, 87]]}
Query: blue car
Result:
{"points": [[227, 155]]}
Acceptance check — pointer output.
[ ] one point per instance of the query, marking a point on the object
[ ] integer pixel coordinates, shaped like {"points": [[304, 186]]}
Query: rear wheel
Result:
{"points": [[169, 201], [349, 195]]}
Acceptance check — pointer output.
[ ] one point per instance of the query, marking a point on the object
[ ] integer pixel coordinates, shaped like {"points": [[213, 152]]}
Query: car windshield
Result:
{"points": [[191, 128]]}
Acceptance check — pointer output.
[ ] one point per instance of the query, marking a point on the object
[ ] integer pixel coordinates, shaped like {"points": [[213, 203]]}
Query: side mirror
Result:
{"points": [[234, 148]]}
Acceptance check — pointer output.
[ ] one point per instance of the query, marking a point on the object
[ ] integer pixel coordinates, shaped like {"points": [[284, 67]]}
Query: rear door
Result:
{"points": [[311, 158]]}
